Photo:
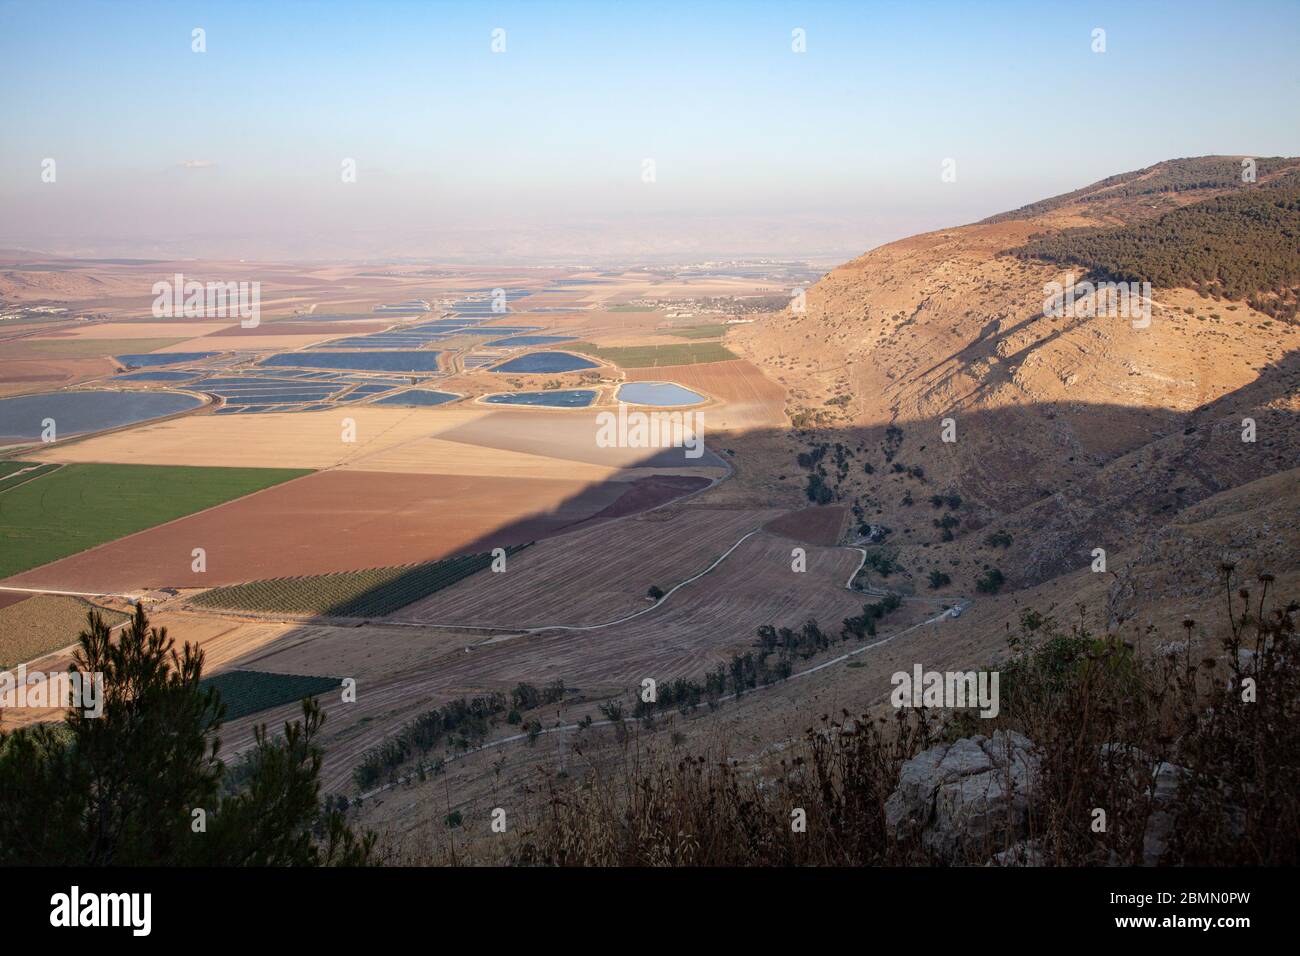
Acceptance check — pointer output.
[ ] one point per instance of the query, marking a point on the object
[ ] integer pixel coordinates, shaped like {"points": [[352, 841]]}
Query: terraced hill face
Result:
{"points": [[1073, 432]]}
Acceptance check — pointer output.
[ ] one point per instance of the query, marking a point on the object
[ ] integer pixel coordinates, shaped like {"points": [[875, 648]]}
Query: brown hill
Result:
{"points": [[1073, 432]]}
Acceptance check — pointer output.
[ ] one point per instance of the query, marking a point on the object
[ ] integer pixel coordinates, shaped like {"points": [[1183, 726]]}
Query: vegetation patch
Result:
{"points": [[712, 331], [1198, 247], [79, 506], [371, 593], [1174, 176], [7, 468], [462, 723], [247, 692], [654, 356]]}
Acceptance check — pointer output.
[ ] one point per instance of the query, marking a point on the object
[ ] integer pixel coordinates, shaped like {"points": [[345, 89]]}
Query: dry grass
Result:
{"points": [[1104, 717]]}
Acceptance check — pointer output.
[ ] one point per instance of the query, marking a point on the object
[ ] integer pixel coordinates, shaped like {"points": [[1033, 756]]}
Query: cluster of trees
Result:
{"points": [[817, 491], [526, 697], [990, 582], [939, 579], [998, 539], [946, 524], [882, 562], [864, 624], [893, 441], [1240, 245], [141, 785], [464, 722], [772, 661]]}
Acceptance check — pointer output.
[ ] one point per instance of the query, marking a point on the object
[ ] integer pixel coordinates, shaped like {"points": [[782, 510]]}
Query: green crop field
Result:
{"points": [[371, 593], [29, 471], [247, 692], [76, 507], [7, 468], [713, 331], [653, 356]]}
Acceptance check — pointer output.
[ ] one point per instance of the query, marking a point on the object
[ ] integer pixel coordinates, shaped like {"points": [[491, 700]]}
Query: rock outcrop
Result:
{"points": [[963, 795]]}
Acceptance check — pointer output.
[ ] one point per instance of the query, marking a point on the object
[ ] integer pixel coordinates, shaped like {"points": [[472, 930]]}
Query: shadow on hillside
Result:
{"points": [[1060, 478]]}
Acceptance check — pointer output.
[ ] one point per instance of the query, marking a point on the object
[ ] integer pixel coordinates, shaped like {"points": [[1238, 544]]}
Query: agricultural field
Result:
{"points": [[42, 623], [712, 331], [749, 398], [7, 468], [76, 507], [74, 348], [401, 671], [300, 440], [816, 525], [654, 356], [371, 593], [29, 472], [249, 692], [593, 575], [330, 522], [135, 331]]}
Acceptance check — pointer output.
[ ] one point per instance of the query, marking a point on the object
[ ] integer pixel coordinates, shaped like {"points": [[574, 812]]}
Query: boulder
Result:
{"points": [[963, 794]]}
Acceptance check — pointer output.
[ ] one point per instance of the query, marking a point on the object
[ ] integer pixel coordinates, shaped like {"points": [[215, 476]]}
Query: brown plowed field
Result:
{"points": [[751, 399], [333, 521], [593, 575], [344, 521], [816, 525], [45, 375]]}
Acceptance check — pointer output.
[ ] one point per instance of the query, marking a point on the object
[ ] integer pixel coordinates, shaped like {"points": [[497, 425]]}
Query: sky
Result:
{"points": [[540, 152]]}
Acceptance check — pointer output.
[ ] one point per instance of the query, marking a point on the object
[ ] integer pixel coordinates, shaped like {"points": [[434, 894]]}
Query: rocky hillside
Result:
{"points": [[1073, 431]]}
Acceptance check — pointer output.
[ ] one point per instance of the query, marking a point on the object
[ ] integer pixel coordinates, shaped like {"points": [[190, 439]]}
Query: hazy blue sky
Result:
{"points": [[538, 151]]}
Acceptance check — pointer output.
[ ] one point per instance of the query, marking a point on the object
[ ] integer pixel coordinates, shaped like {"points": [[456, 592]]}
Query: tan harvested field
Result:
{"points": [[750, 399], [424, 455], [332, 521], [138, 330], [283, 328], [463, 440], [570, 435], [593, 575], [41, 624], [220, 640], [698, 627], [303, 440], [208, 343]]}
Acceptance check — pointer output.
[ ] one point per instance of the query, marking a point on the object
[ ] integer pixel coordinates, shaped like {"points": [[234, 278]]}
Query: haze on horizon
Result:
{"points": [[537, 153]]}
